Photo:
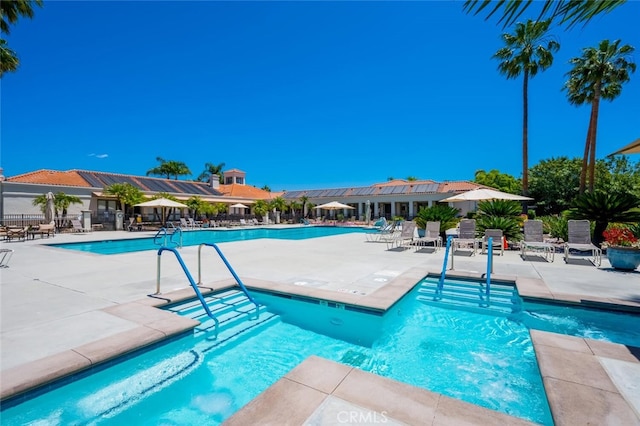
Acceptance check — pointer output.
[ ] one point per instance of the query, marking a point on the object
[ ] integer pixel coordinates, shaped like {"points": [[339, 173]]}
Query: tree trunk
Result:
{"points": [[585, 160], [525, 132], [595, 106]]}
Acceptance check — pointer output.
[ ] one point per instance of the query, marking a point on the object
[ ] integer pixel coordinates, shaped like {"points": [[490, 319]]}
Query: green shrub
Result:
{"points": [[447, 216], [555, 226], [510, 226]]}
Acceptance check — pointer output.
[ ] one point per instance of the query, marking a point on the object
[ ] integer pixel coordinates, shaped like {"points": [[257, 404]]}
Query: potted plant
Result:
{"points": [[623, 248]]}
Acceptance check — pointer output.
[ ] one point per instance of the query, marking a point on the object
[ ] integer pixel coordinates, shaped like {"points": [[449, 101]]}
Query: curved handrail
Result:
{"points": [[163, 232], [178, 243], [191, 281], [226, 262], [444, 266], [489, 265]]}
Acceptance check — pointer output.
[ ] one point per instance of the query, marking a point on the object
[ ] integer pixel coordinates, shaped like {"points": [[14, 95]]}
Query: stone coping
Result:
{"points": [[156, 325]]}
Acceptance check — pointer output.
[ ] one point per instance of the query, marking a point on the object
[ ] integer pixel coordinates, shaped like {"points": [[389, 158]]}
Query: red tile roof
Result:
{"points": [[51, 177], [245, 191]]}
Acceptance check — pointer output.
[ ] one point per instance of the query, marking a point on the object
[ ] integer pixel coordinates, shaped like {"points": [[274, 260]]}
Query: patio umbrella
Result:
{"points": [[632, 148], [334, 205], [49, 209], [162, 203], [238, 206], [482, 194]]}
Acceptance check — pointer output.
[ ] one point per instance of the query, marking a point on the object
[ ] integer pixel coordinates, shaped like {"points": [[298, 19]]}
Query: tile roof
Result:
{"points": [[245, 191], [51, 177], [459, 186]]}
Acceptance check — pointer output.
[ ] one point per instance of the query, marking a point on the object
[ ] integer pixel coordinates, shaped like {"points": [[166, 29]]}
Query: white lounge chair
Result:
{"points": [[497, 240], [466, 236], [77, 226], [403, 238], [534, 241], [431, 236], [580, 240]]}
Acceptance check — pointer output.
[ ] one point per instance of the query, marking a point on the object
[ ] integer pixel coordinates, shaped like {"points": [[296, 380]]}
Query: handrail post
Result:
{"points": [[444, 265], [489, 266], [158, 276]]}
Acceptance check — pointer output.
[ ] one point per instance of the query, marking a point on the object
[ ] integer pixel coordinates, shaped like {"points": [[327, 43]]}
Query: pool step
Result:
{"points": [[232, 309], [471, 296]]}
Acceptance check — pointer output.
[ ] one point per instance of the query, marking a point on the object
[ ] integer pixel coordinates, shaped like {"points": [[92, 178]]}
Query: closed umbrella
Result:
{"points": [[367, 213], [49, 209]]}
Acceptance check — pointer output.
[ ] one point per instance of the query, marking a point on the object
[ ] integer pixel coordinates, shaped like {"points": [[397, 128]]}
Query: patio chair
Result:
{"points": [[403, 238], [431, 236], [580, 240], [466, 236], [17, 233], [497, 240], [184, 224], [77, 226], [534, 241], [381, 235]]}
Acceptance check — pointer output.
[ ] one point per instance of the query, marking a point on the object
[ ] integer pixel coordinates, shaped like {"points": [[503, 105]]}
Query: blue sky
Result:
{"points": [[299, 95]]}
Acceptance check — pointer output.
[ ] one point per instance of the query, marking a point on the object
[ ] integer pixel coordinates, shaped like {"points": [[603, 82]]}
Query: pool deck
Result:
{"points": [[63, 311]]}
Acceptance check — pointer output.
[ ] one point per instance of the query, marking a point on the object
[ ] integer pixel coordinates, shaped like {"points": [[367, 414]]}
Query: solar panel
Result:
{"points": [[188, 187], [156, 185], [425, 187], [92, 179], [386, 190], [400, 189]]}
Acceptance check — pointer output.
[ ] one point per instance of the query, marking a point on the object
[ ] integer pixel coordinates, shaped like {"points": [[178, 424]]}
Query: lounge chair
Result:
{"points": [[17, 233], [580, 240], [381, 235], [431, 236], [184, 224], [534, 241], [497, 240], [466, 236], [47, 229], [193, 224], [404, 238], [77, 226]]}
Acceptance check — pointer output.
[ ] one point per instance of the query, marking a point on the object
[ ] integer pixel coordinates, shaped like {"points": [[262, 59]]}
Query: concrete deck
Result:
{"points": [[63, 311]]}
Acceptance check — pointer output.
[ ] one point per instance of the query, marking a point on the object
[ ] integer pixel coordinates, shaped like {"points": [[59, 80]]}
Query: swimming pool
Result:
{"points": [[195, 237], [483, 359]]}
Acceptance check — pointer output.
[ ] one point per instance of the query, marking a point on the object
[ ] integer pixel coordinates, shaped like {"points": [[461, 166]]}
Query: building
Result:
{"points": [[394, 198]]}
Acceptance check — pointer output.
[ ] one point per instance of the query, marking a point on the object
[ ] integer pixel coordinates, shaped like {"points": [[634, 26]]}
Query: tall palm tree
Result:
{"points": [[10, 11], [569, 12], [527, 51], [8, 58], [169, 169], [598, 74], [211, 169]]}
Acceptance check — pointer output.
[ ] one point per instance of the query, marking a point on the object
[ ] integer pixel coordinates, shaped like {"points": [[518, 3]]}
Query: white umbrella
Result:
{"points": [[334, 205], [238, 206], [50, 209], [162, 203], [481, 194], [632, 148]]}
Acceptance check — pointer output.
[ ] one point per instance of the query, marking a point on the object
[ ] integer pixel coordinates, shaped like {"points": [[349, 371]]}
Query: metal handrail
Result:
{"points": [[444, 265], [178, 243], [162, 231], [189, 277], [489, 266], [226, 262]]}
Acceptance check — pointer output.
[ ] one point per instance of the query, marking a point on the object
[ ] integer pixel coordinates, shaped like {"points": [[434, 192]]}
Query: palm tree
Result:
{"points": [[10, 11], [211, 169], [125, 193], [570, 12], [8, 58], [169, 169], [527, 51], [598, 74]]}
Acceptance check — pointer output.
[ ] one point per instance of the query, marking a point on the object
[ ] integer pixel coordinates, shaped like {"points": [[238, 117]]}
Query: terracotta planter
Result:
{"points": [[625, 258]]}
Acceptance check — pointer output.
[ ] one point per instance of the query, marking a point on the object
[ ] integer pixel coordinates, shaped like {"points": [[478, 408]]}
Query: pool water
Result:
{"points": [[195, 237], [486, 360]]}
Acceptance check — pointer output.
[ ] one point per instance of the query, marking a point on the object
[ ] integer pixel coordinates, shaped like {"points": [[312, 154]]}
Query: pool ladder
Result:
{"points": [[165, 237], [194, 285], [448, 250]]}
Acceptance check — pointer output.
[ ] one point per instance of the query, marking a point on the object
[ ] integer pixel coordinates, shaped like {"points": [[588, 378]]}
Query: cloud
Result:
{"points": [[99, 155]]}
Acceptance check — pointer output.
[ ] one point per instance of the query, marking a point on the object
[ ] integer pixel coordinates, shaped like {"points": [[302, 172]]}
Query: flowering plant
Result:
{"points": [[622, 237]]}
